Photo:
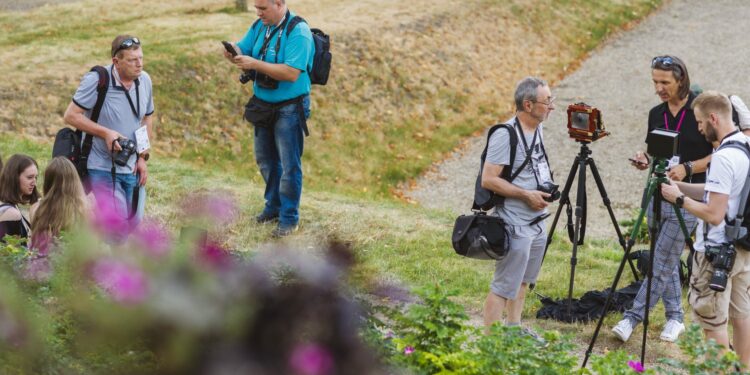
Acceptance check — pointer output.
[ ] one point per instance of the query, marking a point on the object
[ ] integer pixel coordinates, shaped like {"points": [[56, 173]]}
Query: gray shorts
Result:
{"points": [[523, 261]]}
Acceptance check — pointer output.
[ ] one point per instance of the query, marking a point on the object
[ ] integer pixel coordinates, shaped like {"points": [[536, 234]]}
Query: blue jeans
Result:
{"points": [[278, 152], [125, 184]]}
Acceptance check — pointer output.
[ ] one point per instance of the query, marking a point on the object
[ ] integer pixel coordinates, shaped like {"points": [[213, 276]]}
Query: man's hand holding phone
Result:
{"points": [[640, 160]]}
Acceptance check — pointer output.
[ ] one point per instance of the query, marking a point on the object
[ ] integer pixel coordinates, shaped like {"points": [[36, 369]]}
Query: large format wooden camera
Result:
{"points": [[585, 123]]}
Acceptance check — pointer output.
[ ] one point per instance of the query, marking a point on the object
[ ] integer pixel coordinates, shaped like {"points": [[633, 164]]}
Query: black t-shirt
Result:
{"points": [[692, 144]]}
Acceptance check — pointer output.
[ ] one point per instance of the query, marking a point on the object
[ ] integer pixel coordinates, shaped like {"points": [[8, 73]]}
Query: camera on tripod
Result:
{"points": [[722, 260], [662, 143], [550, 188], [261, 79], [585, 123]]}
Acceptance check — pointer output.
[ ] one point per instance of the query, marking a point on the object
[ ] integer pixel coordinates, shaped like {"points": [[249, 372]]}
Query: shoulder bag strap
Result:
{"points": [[101, 94]]}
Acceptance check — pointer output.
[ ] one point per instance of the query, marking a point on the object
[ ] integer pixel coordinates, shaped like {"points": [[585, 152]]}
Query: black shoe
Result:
{"points": [[266, 218], [284, 230]]}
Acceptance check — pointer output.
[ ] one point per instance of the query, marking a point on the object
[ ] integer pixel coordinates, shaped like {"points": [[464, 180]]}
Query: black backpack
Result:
{"points": [[68, 141], [738, 228], [322, 58]]}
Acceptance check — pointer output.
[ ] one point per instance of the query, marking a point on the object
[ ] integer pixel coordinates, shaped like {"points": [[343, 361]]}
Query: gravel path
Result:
{"points": [[711, 37], [20, 5]]}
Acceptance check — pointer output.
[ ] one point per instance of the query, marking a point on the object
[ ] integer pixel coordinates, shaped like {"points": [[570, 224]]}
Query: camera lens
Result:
{"points": [[718, 281]]}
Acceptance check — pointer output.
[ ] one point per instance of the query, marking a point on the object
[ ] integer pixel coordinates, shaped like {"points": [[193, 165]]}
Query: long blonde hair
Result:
{"points": [[64, 202]]}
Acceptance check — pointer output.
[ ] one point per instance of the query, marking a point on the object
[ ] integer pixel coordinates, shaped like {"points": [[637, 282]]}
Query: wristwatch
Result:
{"points": [[145, 156], [680, 201], [688, 168]]}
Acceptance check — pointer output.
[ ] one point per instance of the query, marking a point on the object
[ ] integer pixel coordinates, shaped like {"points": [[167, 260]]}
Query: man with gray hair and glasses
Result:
{"points": [[524, 207]]}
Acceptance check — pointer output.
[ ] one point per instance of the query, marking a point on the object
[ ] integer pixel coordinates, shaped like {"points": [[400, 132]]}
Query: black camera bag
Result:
{"points": [[480, 236], [68, 141]]}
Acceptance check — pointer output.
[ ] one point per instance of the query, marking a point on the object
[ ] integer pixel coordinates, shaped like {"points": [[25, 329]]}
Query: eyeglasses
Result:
{"points": [[665, 63], [548, 103], [127, 43]]}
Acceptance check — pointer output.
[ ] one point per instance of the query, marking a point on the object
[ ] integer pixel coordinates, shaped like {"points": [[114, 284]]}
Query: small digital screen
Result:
{"points": [[579, 120]]}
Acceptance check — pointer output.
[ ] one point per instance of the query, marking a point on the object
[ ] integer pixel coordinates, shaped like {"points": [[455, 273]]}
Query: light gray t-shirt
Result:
{"points": [[726, 175], [117, 114], [515, 211]]}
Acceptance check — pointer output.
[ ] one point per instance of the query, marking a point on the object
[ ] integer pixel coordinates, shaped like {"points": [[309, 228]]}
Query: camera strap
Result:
{"points": [[529, 150], [136, 112]]}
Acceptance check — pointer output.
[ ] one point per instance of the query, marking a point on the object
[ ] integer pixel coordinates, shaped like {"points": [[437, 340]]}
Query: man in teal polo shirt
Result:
{"points": [[280, 53]]}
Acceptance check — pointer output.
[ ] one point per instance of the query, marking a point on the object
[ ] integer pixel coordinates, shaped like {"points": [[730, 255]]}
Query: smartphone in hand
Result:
{"points": [[228, 46], [637, 161]]}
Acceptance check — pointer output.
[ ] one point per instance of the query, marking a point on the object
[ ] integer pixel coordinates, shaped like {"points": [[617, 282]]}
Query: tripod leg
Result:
{"points": [[608, 204], [564, 199], [648, 193], [652, 250], [580, 207]]}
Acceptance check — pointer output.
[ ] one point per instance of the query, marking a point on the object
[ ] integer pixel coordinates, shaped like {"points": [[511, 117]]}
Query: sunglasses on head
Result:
{"points": [[127, 43], [665, 62]]}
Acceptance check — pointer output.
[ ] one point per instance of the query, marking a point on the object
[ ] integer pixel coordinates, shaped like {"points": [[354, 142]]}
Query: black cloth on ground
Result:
{"points": [[590, 306]]}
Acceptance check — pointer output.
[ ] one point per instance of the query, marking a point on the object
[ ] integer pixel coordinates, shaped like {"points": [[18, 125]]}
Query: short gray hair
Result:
{"points": [[526, 90]]}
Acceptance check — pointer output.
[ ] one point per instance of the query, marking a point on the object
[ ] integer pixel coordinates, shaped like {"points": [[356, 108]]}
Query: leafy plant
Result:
{"points": [[704, 356]]}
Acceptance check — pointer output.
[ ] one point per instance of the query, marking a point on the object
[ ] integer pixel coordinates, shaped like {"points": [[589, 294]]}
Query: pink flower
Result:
{"points": [[37, 269], [108, 219], [409, 350], [124, 283], [214, 256], [311, 359], [636, 366], [153, 239]]}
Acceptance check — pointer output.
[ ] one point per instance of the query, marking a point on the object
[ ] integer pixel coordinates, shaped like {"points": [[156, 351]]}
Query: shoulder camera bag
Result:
{"points": [[68, 141]]}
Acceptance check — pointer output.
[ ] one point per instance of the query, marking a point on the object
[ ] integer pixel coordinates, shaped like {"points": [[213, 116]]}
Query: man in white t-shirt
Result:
{"points": [[712, 202]]}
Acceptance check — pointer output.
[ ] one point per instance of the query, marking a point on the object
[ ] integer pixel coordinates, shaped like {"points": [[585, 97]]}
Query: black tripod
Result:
{"points": [[577, 231], [653, 190]]}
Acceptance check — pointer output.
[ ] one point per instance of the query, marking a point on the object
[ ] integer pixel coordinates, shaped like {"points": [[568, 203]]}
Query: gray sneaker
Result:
{"points": [[284, 230]]}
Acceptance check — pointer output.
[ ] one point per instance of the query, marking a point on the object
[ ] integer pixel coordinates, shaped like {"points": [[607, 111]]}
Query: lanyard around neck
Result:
{"points": [[679, 123], [136, 112], [269, 35]]}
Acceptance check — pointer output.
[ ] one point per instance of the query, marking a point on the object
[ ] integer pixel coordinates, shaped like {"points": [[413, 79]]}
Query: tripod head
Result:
{"points": [[660, 168]]}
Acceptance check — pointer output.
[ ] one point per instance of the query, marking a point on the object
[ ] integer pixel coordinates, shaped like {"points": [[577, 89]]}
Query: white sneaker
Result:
{"points": [[622, 330], [672, 330]]}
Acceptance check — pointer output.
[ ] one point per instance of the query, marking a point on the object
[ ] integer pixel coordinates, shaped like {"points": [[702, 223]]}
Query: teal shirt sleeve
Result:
{"points": [[246, 43], [299, 48]]}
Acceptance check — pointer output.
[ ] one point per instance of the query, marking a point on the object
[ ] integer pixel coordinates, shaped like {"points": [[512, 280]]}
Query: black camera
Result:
{"points": [[263, 80], [550, 188], [722, 260], [662, 144], [128, 148]]}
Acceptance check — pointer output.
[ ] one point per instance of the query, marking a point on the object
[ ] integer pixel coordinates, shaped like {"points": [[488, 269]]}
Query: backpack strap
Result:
{"points": [[101, 93], [507, 172], [292, 23], [733, 228]]}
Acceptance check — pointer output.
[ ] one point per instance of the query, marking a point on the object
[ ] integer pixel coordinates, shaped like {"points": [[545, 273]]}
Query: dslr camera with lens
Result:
{"points": [[263, 80], [128, 148], [550, 188], [585, 123], [722, 260]]}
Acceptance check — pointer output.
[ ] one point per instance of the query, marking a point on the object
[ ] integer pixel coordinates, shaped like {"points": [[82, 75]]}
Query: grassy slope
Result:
{"points": [[410, 81]]}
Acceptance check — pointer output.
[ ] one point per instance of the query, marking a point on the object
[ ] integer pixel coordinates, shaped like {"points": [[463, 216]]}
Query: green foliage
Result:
{"points": [[615, 362], [704, 356], [434, 337], [628, 225]]}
